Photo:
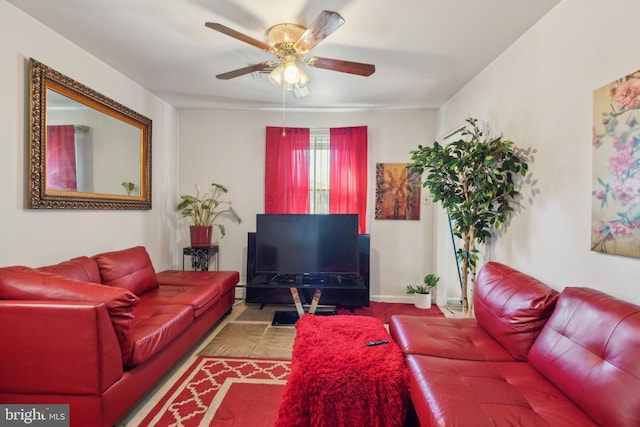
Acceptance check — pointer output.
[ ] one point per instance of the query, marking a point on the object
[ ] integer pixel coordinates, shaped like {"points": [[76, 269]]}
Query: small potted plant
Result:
{"points": [[204, 210], [129, 187], [422, 292]]}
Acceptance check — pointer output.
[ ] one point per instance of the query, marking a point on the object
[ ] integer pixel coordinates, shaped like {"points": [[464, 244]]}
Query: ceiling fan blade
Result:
{"points": [[245, 70], [343, 66], [238, 35], [325, 24]]}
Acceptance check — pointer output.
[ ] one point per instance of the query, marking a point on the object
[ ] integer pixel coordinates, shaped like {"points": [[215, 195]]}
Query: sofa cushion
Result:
{"points": [[589, 349], [447, 392], [81, 268], [446, 337], [512, 306], [24, 283], [200, 298], [129, 268], [155, 327], [226, 279]]}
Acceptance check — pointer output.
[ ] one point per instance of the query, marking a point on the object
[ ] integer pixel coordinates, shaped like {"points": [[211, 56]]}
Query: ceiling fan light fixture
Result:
{"points": [[291, 72], [290, 75], [284, 33], [299, 92], [277, 75], [304, 78]]}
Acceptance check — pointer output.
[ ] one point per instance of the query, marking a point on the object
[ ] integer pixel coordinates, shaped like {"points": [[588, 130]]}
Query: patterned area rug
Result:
{"points": [[384, 310], [223, 391]]}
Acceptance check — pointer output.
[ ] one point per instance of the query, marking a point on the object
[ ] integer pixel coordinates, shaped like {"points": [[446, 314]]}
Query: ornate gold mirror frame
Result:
{"points": [[86, 150]]}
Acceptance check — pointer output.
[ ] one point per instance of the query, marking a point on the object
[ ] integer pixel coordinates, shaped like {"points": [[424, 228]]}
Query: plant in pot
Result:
{"points": [[204, 211], [477, 180], [422, 292], [129, 187]]}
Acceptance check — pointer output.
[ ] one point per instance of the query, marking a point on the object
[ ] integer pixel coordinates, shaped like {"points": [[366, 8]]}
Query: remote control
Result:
{"points": [[371, 343]]}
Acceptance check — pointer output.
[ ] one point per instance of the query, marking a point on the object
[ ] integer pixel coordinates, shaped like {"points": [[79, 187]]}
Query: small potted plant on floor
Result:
{"points": [[204, 211], [422, 292]]}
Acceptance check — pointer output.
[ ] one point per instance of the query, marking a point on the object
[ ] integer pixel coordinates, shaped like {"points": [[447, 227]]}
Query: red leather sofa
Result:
{"points": [[98, 332], [531, 357]]}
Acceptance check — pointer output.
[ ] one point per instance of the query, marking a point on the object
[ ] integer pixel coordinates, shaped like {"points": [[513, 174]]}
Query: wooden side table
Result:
{"points": [[201, 257]]}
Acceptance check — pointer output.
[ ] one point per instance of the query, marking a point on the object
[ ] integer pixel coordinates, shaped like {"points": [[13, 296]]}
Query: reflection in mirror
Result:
{"points": [[93, 153], [88, 151]]}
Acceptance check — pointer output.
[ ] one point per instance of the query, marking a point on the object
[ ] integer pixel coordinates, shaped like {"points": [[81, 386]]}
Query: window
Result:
{"points": [[319, 171]]}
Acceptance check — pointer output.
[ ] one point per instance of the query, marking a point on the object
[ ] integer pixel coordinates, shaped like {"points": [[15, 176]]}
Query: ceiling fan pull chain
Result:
{"points": [[284, 98]]}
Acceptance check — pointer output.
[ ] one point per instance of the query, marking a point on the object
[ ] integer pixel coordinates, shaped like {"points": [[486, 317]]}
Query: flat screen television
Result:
{"points": [[307, 244]]}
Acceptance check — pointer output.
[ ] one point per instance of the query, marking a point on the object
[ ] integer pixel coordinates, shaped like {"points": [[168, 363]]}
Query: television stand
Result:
{"points": [[316, 282], [330, 297], [306, 280]]}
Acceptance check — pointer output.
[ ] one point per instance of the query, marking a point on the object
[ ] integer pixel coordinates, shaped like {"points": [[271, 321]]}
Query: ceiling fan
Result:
{"points": [[291, 43]]}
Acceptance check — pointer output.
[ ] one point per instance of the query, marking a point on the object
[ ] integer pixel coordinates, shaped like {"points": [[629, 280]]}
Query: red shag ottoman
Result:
{"points": [[337, 380]]}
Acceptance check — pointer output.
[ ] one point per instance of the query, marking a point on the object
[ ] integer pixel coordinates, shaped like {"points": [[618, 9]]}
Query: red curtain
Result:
{"points": [[348, 172], [287, 171], [61, 158]]}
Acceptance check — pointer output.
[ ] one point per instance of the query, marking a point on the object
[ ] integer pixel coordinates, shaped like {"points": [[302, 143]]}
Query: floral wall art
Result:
{"points": [[397, 192], [615, 215]]}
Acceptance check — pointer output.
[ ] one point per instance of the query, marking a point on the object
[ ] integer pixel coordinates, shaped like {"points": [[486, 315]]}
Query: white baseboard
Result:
{"points": [[240, 293], [453, 302], [408, 299]]}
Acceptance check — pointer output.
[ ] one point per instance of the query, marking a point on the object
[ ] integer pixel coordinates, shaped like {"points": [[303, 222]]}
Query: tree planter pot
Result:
{"points": [[422, 300], [201, 236]]}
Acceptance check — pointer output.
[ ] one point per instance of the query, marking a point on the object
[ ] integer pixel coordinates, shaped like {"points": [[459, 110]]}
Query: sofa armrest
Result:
{"points": [[57, 347]]}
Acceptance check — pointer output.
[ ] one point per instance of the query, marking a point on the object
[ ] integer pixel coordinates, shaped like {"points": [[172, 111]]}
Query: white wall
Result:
{"points": [[539, 94], [37, 237], [229, 148]]}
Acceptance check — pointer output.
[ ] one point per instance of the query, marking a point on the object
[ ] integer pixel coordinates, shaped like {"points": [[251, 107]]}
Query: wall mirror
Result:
{"points": [[86, 150]]}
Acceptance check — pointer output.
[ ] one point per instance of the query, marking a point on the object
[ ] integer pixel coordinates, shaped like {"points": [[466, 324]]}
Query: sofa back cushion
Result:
{"points": [[129, 269], [589, 350], [512, 306], [81, 268], [24, 283]]}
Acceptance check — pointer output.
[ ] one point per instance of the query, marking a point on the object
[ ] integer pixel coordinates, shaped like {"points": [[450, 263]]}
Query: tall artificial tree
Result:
{"points": [[476, 179]]}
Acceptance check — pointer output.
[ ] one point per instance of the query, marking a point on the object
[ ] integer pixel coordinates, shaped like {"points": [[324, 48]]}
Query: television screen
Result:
{"points": [[307, 243]]}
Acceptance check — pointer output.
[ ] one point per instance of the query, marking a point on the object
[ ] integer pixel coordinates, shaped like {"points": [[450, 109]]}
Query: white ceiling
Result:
{"points": [[424, 50]]}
